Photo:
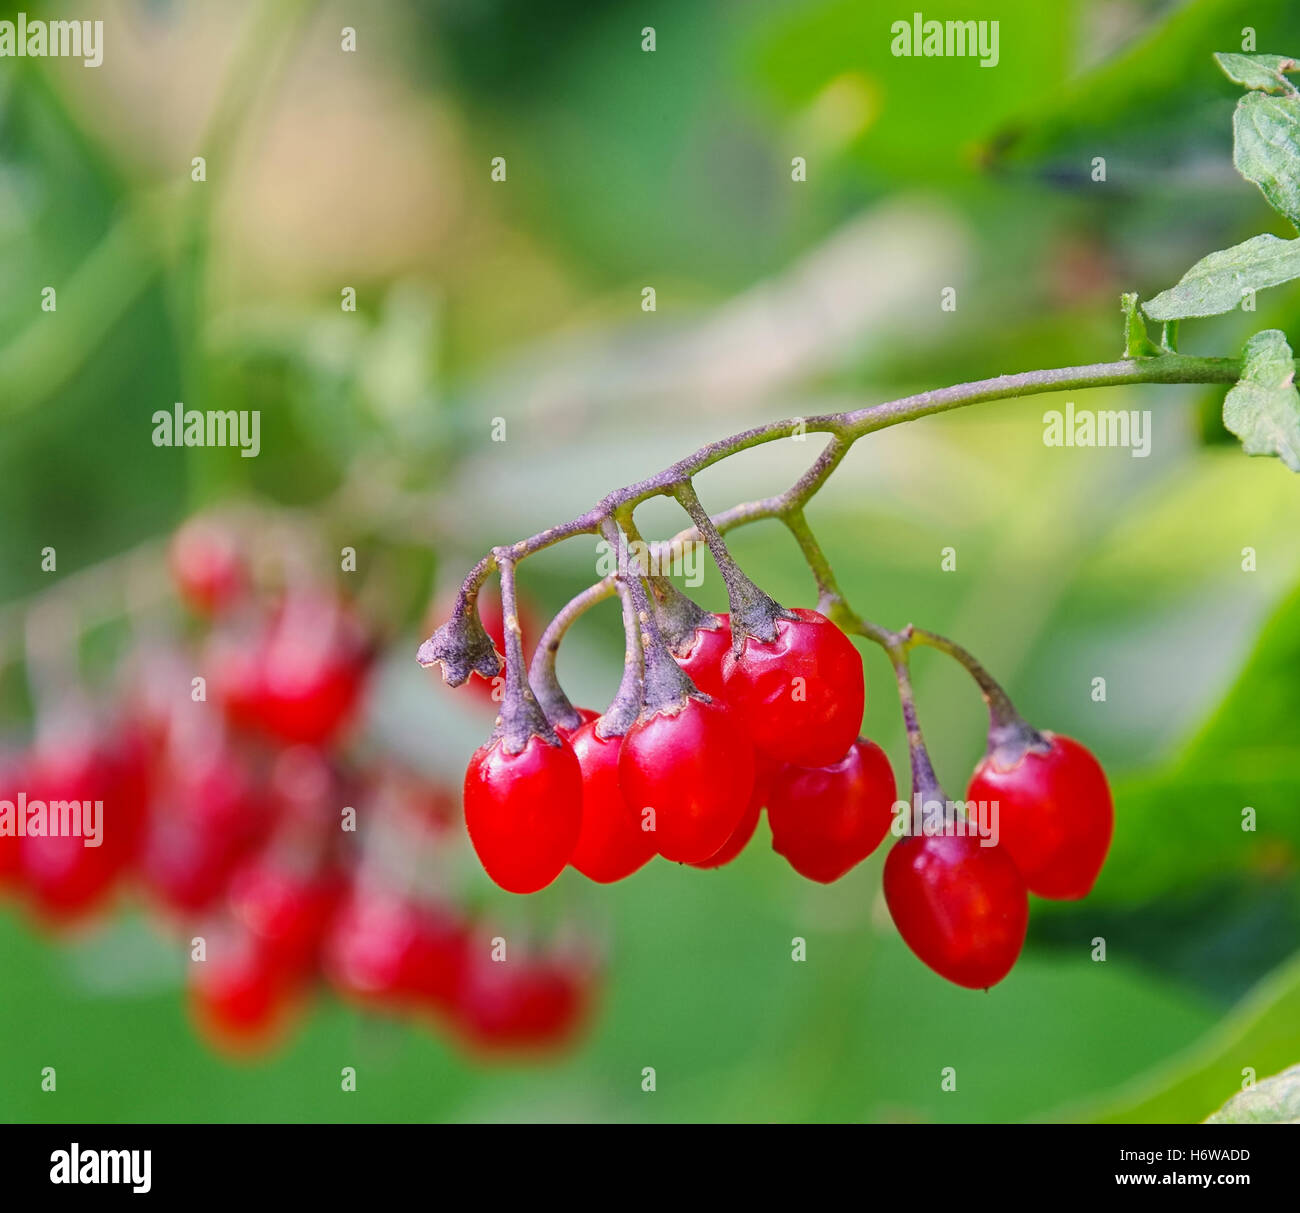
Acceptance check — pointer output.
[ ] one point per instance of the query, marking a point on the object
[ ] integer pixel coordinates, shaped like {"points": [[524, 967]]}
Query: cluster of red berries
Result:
{"points": [[229, 821], [774, 724]]}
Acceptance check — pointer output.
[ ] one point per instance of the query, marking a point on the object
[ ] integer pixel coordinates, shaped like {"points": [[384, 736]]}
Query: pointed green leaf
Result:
{"points": [[1266, 149], [1215, 283], [1274, 1101], [1263, 410], [1258, 71]]}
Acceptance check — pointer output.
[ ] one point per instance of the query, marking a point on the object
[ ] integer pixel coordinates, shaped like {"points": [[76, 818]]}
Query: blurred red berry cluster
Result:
{"points": [[281, 855]]}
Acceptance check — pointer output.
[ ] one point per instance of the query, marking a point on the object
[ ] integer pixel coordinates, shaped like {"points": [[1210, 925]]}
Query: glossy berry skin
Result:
{"points": [[612, 844], [961, 907], [695, 769], [744, 832], [524, 811], [826, 820], [703, 660], [800, 696], [206, 567], [1055, 815]]}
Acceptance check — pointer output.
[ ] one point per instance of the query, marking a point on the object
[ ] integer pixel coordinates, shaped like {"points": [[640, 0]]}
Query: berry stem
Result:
{"points": [[1010, 736], [847, 427], [678, 616], [926, 790], [666, 684], [623, 712], [830, 601], [753, 613], [521, 715], [542, 675]]}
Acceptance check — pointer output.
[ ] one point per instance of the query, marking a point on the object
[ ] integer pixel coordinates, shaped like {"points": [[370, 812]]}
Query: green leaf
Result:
{"points": [[1263, 410], [1259, 1033], [1258, 71], [1275, 1101], [1266, 149], [1215, 283]]}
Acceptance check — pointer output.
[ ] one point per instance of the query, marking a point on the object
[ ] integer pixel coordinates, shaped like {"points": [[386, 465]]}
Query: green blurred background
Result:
{"points": [[521, 300]]}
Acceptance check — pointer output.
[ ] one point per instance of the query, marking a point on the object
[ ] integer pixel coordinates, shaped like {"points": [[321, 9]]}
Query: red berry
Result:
{"points": [[612, 844], [65, 878], [383, 949], [961, 907], [695, 768], [524, 811], [205, 815], [741, 835], [206, 566], [530, 1003], [237, 994], [299, 678], [800, 696], [314, 665], [1054, 816], [703, 661], [436, 963], [287, 906], [586, 714], [13, 780], [825, 820]]}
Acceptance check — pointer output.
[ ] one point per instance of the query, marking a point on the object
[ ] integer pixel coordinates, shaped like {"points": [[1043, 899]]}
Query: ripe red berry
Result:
{"points": [[612, 844], [287, 905], [800, 696], [206, 566], [524, 811], [695, 769], [1055, 816], [826, 820], [531, 1003], [299, 678], [205, 815], [587, 715], [383, 949], [13, 780], [314, 665], [740, 838], [703, 660], [961, 907], [237, 994], [64, 878]]}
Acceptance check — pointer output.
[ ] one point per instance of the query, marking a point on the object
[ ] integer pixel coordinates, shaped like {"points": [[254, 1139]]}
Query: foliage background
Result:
{"points": [[522, 300]]}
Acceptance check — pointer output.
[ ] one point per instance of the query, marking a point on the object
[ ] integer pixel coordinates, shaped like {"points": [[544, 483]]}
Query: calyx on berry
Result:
{"points": [[461, 646]]}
